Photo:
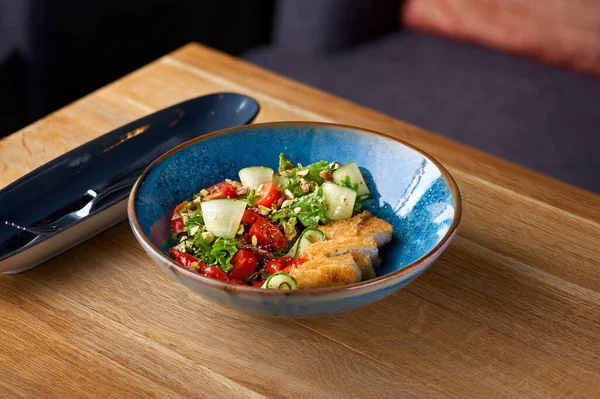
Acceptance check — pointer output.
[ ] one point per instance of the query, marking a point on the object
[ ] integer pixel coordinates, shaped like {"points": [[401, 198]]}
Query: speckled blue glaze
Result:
{"points": [[409, 190]]}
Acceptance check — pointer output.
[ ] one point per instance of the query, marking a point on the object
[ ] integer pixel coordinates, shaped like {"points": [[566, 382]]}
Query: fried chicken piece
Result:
{"points": [[377, 228], [365, 246], [364, 264], [361, 225], [326, 271], [344, 228]]}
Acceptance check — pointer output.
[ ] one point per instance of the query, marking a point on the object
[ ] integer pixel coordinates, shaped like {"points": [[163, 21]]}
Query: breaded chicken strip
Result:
{"points": [[326, 272], [361, 225], [364, 264], [377, 228], [344, 228], [366, 246]]}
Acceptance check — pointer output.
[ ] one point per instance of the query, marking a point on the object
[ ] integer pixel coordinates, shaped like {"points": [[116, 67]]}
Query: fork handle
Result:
{"points": [[114, 188]]}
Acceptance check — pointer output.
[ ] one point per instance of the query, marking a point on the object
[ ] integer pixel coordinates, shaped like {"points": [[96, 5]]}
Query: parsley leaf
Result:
{"points": [[312, 210], [284, 163], [358, 204], [218, 253], [289, 228], [346, 183], [293, 177], [314, 171], [310, 207], [251, 198], [194, 218], [223, 250]]}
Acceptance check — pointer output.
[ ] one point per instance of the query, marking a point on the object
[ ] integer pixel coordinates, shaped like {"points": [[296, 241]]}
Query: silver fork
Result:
{"points": [[64, 221]]}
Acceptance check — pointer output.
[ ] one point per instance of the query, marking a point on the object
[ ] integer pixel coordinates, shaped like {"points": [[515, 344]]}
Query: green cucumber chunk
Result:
{"points": [[351, 171], [281, 281], [281, 181], [307, 237], [254, 176], [338, 201], [222, 217]]}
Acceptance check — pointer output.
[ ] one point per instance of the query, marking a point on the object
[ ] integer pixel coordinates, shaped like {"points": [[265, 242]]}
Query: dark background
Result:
{"points": [[540, 116], [54, 52]]}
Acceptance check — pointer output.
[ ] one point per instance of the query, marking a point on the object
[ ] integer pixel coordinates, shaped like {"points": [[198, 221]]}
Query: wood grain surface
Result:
{"points": [[511, 309]]}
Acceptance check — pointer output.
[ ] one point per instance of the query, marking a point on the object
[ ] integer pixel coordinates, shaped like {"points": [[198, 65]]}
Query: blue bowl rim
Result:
{"points": [[422, 262]]}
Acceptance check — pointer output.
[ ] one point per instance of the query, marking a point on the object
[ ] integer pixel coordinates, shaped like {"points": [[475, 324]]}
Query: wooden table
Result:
{"points": [[512, 308]]}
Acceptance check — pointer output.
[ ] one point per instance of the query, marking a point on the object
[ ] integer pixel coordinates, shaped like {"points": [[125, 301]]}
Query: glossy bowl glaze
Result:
{"points": [[409, 189]]}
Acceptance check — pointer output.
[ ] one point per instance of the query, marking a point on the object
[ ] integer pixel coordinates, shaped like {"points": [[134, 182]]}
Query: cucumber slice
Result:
{"points": [[351, 170], [222, 217], [307, 237], [254, 176], [281, 181], [281, 281], [338, 200]]}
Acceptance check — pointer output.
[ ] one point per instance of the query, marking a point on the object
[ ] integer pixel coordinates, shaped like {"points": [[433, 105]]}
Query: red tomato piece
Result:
{"points": [[213, 272], [293, 263], [269, 194], [275, 265], [258, 284], [283, 264], [176, 225], [179, 207], [244, 264], [250, 216], [268, 233], [220, 191], [186, 260], [239, 282], [297, 261]]}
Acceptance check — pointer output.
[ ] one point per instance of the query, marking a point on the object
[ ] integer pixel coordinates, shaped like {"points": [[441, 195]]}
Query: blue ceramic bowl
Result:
{"points": [[409, 189]]}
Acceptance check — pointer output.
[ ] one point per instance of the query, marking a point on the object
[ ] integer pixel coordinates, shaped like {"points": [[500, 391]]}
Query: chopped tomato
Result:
{"points": [[186, 260], [244, 264], [267, 233], [220, 191], [283, 264], [269, 194], [179, 207], [213, 272], [250, 216], [239, 282], [297, 261], [258, 284], [176, 225], [275, 266]]}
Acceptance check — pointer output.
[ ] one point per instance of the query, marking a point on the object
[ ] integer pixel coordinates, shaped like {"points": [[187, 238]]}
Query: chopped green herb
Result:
{"points": [[294, 178], [346, 183], [218, 253], [289, 228], [314, 171], [359, 200], [284, 163], [251, 198], [311, 212], [193, 219]]}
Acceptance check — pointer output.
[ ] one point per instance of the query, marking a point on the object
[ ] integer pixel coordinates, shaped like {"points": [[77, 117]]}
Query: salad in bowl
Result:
{"points": [[300, 227], [249, 229]]}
